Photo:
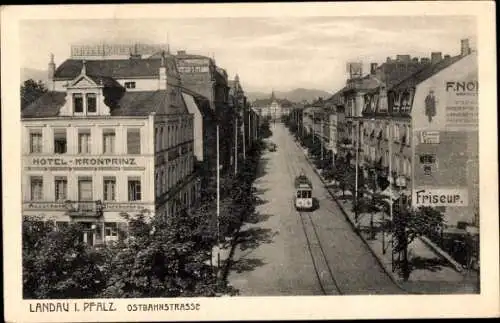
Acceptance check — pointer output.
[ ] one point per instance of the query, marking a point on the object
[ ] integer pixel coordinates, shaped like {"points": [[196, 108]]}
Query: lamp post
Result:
{"points": [[356, 215], [401, 184]]}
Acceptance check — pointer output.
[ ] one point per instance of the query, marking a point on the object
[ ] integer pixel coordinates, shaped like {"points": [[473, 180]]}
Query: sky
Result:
{"points": [[280, 53]]}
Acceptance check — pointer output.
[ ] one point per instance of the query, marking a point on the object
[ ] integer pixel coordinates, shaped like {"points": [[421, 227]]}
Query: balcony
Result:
{"points": [[84, 208]]}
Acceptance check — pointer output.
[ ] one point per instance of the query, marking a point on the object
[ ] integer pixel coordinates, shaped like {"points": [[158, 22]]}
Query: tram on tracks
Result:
{"points": [[303, 193]]}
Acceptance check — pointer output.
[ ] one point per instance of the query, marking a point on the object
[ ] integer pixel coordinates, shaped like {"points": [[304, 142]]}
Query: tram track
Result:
{"points": [[326, 278]]}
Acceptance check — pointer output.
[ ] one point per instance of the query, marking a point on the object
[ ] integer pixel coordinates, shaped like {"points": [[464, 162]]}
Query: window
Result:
{"points": [[134, 189], [109, 188], [427, 159], [60, 142], [162, 145], [108, 141], [130, 85], [91, 102], [163, 179], [36, 141], [61, 188], [36, 188], [78, 102], [133, 141], [111, 229], [84, 141], [85, 189]]}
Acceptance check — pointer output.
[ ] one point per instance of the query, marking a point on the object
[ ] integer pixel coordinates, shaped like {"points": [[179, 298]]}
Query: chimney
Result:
{"points": [[436, 57], [465, 48], [181, 52], [162, 73], [51, 72], [403, 58], [373, 68]]}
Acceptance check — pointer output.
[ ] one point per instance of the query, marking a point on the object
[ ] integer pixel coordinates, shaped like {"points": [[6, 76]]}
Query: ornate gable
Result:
{"points": [[83, 82]]}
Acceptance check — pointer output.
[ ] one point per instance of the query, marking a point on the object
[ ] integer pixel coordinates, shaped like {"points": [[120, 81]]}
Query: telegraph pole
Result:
{"points": [[322, 138], [244, 134], [218, 202], [356, 180], [236, 145]]}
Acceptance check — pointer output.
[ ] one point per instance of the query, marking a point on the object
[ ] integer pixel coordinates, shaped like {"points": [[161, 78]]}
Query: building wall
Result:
{"points": [[95, 165], [449, 134], [174, 162]]}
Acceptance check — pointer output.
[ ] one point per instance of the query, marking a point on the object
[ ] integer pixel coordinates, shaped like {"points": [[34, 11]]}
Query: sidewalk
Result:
{"points": [[433, 271]]}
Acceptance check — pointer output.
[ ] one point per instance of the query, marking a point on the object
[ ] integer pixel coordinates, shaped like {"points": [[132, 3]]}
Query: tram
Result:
{"points": [[303, 193]]}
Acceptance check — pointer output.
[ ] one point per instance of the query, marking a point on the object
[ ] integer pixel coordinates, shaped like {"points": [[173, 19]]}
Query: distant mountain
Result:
{"points": [[296, 95], [31, 73]]}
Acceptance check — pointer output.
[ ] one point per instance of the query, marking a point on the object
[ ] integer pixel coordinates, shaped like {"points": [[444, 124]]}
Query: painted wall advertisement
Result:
{"points": [[445, 125]]}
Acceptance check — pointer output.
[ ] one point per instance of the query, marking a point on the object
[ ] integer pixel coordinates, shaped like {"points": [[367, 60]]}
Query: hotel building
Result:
{"points": [[110, 137]]}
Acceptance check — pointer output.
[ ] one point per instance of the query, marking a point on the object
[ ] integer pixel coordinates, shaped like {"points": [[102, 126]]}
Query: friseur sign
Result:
{"points": [[85, 161], [424, 196]]}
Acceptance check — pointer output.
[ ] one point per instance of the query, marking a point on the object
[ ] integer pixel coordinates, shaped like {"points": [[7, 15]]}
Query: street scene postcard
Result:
{"points": [[214, 162]]}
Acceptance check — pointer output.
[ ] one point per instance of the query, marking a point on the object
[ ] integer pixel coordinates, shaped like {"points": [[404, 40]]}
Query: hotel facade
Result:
{"points": [[111, 137]]}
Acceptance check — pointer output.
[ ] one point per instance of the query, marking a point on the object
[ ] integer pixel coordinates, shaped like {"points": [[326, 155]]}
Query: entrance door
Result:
{"points": [[88, 233]]}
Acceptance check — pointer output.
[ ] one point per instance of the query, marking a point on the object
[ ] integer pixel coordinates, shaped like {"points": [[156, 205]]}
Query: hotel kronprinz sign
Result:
{"points": [[84, 162]]}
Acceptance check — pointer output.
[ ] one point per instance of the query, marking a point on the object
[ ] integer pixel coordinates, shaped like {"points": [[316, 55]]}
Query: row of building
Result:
{"points": [[129, 129], [413, 122]]}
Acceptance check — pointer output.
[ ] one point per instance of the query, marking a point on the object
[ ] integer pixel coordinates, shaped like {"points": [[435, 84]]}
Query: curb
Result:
{"points": [[356, 230], [436, 249]]}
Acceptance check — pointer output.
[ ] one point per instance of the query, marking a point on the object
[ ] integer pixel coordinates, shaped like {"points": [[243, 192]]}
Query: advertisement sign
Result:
{"points": [[75, 162], [425, 196], [448, 100], [429, 137]]}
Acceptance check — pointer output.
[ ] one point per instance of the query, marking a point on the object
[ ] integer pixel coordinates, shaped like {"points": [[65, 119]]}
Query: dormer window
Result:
{"points": [[78, 102], [130, 85], [91, 102], [89, 105]]}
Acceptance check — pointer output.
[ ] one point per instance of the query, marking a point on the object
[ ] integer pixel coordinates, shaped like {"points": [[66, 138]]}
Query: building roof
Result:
{"points": [[105, 80], [134, 103], [47, 105], [141, 103], [366, 83], [336, 97], [116, 68], [424, 73]]}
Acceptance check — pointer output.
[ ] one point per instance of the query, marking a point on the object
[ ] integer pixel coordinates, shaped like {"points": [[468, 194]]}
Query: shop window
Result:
{"points": [[111, 230]]}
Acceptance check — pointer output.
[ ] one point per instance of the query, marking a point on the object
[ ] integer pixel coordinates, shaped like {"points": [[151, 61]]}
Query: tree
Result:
{"points": [[30, 91], [409, 224], [57, 263], [163, 257]]}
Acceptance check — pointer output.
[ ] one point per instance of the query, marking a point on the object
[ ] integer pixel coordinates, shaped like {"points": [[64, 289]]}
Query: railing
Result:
{"points": [[84, 208]]}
